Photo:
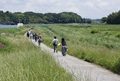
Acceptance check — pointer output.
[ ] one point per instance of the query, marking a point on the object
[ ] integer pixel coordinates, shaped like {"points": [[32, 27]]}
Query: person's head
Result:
{"points": [[55, 37], [62, 39]]}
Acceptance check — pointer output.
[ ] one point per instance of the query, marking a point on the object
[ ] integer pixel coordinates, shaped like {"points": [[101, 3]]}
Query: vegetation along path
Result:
{"points": [[81, 70]]}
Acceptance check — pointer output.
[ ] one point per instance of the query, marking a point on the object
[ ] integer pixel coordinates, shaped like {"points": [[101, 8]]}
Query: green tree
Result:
{"points": [[104, 19], [114, 18]]}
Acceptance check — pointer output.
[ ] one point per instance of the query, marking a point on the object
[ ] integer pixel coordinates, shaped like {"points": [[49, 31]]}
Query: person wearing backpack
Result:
{"points": [[55, 43]]}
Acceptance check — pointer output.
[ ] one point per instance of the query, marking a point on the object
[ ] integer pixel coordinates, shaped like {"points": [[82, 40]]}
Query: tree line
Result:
{"points": [[47, 18], [31, 17], [113, 18]]}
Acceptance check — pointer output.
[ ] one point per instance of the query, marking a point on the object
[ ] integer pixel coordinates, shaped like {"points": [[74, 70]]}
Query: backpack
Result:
{"points": [[55, 42]]}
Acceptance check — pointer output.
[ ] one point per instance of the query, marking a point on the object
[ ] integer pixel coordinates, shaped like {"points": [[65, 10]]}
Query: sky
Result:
{"points": [[93, 9]]}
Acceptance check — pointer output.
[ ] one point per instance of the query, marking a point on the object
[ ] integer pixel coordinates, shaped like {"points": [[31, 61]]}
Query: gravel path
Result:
{"points": [[81, 70]]}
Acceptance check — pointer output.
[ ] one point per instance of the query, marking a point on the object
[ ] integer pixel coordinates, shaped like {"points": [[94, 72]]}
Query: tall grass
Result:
{"points": [[98, 44], [26, 62]]}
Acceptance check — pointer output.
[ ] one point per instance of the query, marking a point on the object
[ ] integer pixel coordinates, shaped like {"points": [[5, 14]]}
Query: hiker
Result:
{"points": [[30, 34], [55, 43], [27, 34], [36, 37], [64, 46], [39, 40]]}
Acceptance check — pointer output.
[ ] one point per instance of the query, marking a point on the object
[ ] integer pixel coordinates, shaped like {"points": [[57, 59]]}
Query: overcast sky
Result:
{"points": [[86, 8]]}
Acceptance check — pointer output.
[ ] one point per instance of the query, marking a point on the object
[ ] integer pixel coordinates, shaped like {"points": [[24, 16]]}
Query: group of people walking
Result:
{"points": [[32, 35]]}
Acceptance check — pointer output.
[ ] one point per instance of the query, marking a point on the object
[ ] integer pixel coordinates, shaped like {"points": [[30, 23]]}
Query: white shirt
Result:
{"points": [[55, 40]]}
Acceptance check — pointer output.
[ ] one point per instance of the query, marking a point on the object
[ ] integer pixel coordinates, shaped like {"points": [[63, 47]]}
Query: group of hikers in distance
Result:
{"points": [[32, 35]]}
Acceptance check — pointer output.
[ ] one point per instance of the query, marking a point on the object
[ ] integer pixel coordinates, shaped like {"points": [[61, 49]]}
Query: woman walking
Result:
{"points": [[64, 47]]}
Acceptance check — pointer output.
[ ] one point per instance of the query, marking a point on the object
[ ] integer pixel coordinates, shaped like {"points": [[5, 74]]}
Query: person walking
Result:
{"points": [[40, 40], [36, 37], [55, 43], [30, 34], [27, 34], [64, 47]]}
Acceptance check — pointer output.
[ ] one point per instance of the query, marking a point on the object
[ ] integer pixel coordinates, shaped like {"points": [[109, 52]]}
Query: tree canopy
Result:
{"points": [[31, 17], [113, 18]]}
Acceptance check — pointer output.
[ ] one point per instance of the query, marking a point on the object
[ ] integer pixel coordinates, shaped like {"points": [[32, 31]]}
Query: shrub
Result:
{"points": [[116, 67], [82, 55], [93, 32], [118, 35], [109, 46]]}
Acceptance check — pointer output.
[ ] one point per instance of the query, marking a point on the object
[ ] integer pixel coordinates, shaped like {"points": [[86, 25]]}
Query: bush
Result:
{"points": [[109, 46], [118, 35], [82, 55], [7, 45], [93, 32], [116, 67]]}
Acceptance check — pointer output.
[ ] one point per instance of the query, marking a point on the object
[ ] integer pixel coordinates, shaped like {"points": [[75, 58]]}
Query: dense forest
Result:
{"points": [[31, 17], [113, 18], [47, 18]]}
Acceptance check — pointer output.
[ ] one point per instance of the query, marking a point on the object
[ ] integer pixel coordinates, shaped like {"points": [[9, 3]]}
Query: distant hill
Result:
{"points": [[31, 17]]}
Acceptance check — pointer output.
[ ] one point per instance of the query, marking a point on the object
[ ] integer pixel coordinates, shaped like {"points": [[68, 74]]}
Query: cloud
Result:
{"points": [[85, 8]]}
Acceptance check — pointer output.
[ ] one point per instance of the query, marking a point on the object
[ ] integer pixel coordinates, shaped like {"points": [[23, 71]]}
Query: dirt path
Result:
{"points": [[81, 70]]}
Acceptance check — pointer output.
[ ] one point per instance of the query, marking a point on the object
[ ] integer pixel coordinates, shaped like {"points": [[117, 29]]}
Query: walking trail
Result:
{"points": [[81, 70]]}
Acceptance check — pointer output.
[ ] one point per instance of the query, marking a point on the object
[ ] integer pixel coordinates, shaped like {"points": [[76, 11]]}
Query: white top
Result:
{"points": [[55, 40]]}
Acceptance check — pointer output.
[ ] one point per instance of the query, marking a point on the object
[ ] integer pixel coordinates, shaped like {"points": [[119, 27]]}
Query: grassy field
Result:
{"points": [[99, 44], [20, 60]]}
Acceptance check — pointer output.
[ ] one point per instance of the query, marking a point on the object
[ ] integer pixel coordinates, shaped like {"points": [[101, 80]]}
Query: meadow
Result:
{"points": [[20, 60], [99, 44]]}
